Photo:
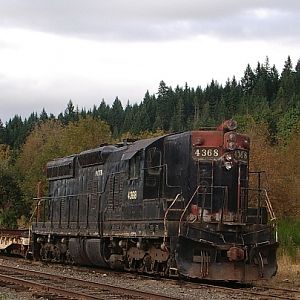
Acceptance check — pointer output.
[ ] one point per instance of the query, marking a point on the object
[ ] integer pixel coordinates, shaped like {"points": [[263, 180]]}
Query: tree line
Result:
{"points": [[265, 103]]}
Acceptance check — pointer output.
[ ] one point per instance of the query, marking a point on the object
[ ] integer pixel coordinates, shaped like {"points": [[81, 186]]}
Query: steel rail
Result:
{"points": [[144, 295], [71, 281], [45, 287], [256, 293]]}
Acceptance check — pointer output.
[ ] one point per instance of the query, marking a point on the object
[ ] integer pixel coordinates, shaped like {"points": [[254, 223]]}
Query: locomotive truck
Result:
{"points": [[180, 204]]}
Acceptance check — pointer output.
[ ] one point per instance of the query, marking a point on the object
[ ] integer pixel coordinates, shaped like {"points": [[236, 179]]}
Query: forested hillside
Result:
{"points": [[265, 102]]}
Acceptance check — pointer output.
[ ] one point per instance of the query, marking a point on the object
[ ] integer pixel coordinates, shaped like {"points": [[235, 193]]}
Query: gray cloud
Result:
{"points": [[130, 20], [155, 19]]}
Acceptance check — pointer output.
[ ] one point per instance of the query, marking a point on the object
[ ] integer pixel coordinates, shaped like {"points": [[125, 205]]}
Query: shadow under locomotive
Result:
{"points": [[175, 205]]}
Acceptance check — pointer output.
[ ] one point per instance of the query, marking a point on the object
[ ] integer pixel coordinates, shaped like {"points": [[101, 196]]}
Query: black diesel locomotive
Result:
{"points": [[176, 205]]}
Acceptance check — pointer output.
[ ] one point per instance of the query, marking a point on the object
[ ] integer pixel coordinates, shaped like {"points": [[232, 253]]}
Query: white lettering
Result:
{"points": [[98, 173], [132, 195]]}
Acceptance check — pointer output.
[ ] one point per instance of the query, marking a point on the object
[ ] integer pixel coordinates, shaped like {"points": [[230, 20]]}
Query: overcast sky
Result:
{"points": [[52, 51]]}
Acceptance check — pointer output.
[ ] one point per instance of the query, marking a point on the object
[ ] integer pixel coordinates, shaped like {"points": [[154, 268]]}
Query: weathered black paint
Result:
{"points": [[120, 201]]}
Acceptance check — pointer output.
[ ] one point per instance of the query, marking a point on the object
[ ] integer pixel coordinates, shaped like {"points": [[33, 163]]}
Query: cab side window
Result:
{"points": [[134, 167], [153, 161]]}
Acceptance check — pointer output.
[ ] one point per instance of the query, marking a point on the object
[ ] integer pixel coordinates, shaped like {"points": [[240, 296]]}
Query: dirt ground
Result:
{"points": [[288, 274]]}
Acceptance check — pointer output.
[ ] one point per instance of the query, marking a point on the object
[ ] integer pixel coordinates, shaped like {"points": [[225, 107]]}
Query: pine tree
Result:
{"points": [[144, 118], [177, 118], [103, 111], [116, 117], [157, 123], [2, 133], [43, 115], [150, 104], [128, 119], [164, 100], [70, 115], [247, 82], [213, 96], [287, 82], [15, 132], [272, 85], [297, 77]]}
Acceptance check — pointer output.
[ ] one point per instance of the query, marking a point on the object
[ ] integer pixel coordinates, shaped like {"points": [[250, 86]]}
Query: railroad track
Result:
{"points": [[257, 292], [277, 293], [112, 292], [69, 287]]}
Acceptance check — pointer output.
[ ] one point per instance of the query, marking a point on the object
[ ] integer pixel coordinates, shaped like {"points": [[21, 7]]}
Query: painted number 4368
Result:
{"points": [[208, 152], [132, 195]]}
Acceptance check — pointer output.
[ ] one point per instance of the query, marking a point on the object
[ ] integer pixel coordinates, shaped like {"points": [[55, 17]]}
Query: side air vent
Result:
{"points": [[96, 156], [61, 168]]}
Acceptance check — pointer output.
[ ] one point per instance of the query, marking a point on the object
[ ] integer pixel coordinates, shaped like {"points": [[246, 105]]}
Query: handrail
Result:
{"points": [[225, 198], [165, 217], [66, 196], [267, 200], [269, 206], [186, 207]]}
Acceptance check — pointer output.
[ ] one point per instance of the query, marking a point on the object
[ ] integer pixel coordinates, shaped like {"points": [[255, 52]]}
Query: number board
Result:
{"points": [[207, 153], [241, 155], [132, 195]]}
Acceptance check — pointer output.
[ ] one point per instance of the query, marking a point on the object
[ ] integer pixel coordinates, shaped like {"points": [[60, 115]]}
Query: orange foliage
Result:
{"points": [[281, 166], [51, 140]]}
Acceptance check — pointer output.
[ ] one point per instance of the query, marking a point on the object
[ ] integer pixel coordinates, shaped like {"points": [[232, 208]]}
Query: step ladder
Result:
{"points": [[205, 180]]}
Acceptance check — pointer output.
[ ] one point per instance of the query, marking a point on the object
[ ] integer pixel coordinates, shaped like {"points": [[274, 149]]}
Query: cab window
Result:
{"points": [[134, 167], [153, 161]]}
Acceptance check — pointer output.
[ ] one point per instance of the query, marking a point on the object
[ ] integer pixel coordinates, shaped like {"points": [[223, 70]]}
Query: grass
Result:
{"points": [[288, 257], [289, 237]]}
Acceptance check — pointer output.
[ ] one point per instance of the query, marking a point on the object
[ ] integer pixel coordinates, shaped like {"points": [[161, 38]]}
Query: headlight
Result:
{"points": [[230, 125], [231, 145], [228, 156], [246, 144], [228, 165], [232, 137], [231, 140]]}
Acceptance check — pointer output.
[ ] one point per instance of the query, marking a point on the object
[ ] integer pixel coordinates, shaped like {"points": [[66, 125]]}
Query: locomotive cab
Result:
{"points": [[220, 162]]}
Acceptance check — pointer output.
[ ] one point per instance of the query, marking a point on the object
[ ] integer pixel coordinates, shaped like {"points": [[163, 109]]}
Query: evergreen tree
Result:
{"points": [[43, 115], [30, 123], [205, 119], [94, 112], [15, 132], [103, 111], [150, 104], [143, 118], [128, 118], [70, 115], [213, 95], [116, 117], [287, 123], [177, 119], [2, 133], [165, 101], [287, 83], [187, 96], [247, 82], [259, 89], [83, 113], [297, 77], [12, 205], [272, 85], [157, 123]]}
